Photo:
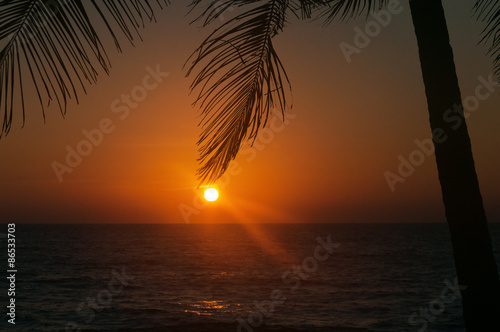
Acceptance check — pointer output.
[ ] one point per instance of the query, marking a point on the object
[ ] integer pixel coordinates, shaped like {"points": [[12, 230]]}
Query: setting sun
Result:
{"points": [[211, 194]]}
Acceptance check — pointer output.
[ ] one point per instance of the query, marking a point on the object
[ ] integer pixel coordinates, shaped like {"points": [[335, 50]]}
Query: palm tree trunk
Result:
{"points": [[474, 259]]}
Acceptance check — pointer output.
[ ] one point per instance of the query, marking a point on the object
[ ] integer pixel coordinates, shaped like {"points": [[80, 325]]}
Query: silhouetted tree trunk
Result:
{"points": [[474, 259]]}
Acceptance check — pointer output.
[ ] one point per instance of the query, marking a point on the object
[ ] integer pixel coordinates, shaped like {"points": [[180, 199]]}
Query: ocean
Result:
{"points": [[231, 277]]}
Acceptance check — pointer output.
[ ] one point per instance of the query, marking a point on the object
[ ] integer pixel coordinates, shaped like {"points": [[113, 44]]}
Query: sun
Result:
{"points": [[211, 194]]}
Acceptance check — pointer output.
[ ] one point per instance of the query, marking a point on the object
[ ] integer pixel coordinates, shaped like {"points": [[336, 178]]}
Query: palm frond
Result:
{"points": [[55, 45], [488, 12], [348, 9], [215, 9], [241, 81], [307, 7]]}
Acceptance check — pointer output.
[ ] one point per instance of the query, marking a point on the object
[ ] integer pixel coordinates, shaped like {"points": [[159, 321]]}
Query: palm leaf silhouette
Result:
{"points": [[57, 42], [347, 9], [242, 77], [489, 13], [242, 80]]}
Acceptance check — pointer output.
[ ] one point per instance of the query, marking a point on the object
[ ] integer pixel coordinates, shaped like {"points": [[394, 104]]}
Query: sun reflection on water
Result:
{"points": [[208, 308]]}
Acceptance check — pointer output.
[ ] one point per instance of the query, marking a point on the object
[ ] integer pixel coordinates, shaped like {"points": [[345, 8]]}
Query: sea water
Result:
{"points": [[236, 277]]}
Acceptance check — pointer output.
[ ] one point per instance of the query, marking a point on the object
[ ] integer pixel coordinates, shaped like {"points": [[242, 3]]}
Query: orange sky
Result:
{"points": [[349, 124]]}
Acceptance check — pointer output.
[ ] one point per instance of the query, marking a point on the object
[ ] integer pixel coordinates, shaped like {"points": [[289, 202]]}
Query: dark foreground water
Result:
{"points": [[294, 277]]}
